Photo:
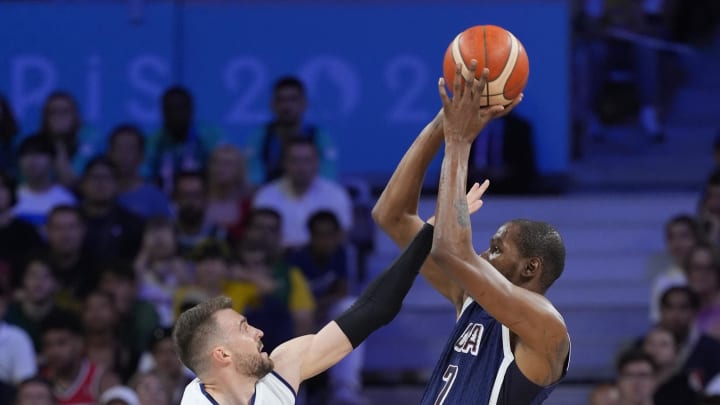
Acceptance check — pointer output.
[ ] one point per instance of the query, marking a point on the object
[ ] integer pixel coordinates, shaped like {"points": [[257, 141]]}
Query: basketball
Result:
{"points": [[494, 48]]}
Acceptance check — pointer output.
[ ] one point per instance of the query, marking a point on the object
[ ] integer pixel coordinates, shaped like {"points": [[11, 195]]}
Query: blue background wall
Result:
{"points": [[371, 69]]}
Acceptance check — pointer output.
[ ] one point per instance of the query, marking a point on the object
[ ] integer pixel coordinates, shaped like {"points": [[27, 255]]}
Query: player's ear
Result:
{"points": [[220, 354], [533, 267]]}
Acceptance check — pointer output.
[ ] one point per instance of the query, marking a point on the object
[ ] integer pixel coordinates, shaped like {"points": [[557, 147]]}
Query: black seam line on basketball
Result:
{"points": [[487, 97]]}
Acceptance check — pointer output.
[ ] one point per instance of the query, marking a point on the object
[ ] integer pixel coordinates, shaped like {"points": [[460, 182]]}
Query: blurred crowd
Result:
{"points": [[627, 62], [106, 238], [677, 361]]}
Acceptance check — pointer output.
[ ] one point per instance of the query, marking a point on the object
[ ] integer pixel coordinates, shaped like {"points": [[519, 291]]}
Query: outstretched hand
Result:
{"points": [[474, 200], [464, 114]]}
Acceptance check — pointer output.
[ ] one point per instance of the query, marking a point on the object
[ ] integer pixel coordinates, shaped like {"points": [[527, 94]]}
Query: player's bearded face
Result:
{"points": [[253, 364]]}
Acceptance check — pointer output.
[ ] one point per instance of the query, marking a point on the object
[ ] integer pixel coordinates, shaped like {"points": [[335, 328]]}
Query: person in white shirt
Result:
{"points": [[17, 360], [302, 192], [38, 193]]}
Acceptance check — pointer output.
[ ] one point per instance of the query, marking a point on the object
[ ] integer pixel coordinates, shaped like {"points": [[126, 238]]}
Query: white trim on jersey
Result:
{"points": [[269, 390], [508, 358], [468, 300]]}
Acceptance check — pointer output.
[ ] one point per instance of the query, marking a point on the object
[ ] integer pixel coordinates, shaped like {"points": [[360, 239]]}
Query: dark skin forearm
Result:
{"points": [[396, 211]]}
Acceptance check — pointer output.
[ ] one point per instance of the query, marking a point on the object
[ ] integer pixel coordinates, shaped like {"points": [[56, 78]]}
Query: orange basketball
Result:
{"points": [[494, 48]]}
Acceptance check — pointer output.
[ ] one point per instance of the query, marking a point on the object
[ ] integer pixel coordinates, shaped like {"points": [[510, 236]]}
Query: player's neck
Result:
{"points": [[231, 388]]}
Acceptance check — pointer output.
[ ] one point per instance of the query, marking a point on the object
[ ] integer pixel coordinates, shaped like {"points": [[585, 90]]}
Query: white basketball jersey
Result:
{"points": [[269, 390]]}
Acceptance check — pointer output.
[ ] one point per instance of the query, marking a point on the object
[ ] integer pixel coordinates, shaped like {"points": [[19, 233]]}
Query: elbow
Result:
{"points": [[384, 218], [379, 214], [441, 254]]}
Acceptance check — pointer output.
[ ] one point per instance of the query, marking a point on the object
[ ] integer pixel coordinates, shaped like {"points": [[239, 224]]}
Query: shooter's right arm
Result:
{"points": [[396, 211]]}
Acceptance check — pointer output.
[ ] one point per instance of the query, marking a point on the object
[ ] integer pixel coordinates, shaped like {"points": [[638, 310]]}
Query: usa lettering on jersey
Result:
{"points": [[469, 341]]}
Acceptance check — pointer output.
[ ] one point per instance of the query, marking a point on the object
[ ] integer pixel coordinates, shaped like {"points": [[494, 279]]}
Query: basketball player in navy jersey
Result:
{"points": [[509, 345]]}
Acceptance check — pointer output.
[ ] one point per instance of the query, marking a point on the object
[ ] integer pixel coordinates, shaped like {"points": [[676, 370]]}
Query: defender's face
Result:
{"points": [[244, 344], [503, 252]]}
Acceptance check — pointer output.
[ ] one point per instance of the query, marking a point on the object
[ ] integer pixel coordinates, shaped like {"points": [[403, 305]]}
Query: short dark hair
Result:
{"points": [[691, 222], [540, 239], [130, 129], [100, 160], [634, 355], [289, 81], [58, 94], [210, 249], [65, 208], [11, 186], [194, 328], [177, 91], [263, 211], [323, 216], [158, 335], [122, 269], [37, 255], [37, 144], [66, 321], [692, 297]]}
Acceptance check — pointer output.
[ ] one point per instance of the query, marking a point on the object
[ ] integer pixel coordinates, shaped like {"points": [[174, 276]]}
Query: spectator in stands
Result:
{"points": [[127, 151], [660, 344], [181, 144], [604, 27], [229, 193], [103, 346], [505, 153], [71, 263], [301, 192], [604, 394], [191, 200], [682, 232], [119, 395], [166, 364], [17, 355], [38, 193], [699, 354], [266, 148], [326, 264], [34, 391], [112, 231], [73, 142], [8, 138], [150, 389], [287, 309], [75, 380], [160, 269], [636, 380], [35, 298], [211, 259], [138, 318], [17, 237], [702, 269]]}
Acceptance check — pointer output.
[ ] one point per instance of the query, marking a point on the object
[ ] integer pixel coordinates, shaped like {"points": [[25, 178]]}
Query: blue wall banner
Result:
{"points": [[371, 69]]}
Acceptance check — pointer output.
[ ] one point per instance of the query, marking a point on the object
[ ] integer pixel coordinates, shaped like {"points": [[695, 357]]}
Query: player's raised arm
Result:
{"points": [[543, 341], [306, 356], [396, 211]]}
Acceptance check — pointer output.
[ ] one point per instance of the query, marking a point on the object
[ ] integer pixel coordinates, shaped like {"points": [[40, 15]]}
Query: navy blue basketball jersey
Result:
{"points": [[477, 366]]}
